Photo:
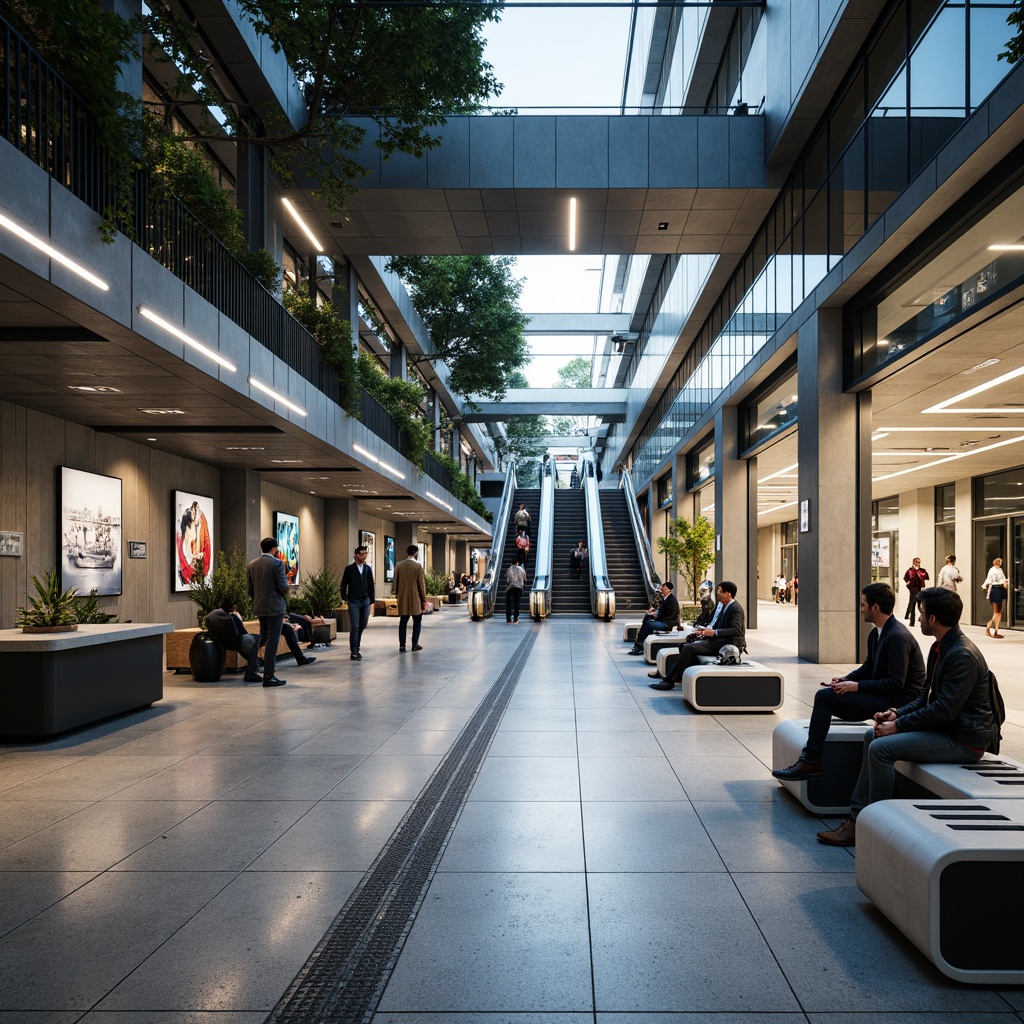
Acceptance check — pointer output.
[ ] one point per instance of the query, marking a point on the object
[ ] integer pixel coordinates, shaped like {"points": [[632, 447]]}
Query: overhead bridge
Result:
{"points": [[609, 403]]}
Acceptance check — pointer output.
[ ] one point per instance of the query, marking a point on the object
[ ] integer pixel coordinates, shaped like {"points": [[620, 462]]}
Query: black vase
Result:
{"points": [[206, 658]]}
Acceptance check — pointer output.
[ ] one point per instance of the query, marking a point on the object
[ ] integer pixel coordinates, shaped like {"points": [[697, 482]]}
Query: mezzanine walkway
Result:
{"points": [[619, 859]]}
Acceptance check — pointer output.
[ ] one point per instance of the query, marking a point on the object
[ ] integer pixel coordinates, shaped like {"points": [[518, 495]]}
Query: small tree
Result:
{"points": [[690, 548]]}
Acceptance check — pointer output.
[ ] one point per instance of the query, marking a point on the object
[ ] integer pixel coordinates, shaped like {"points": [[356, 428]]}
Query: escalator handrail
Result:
{"points": [[481, 598], [652, 581], [540, 592], [602, 594]]}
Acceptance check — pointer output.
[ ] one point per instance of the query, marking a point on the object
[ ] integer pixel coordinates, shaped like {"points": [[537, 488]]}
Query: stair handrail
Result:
{"points": [[481, 597], [540, 592], [652, 581], [602, 594]]}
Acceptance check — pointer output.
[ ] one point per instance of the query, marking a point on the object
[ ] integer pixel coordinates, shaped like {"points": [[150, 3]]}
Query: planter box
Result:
{"points": [[63, 681]]}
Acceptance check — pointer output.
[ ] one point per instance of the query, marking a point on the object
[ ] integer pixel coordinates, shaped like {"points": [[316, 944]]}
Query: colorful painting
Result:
{"points": [[369, 541], [389, 559], [286, 532], [90, 532], [192, 518]]}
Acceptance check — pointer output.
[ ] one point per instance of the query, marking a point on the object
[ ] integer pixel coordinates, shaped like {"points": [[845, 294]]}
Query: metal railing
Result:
{"points": [[652, 581], [481, 599], [540, 592], [602, 594]]}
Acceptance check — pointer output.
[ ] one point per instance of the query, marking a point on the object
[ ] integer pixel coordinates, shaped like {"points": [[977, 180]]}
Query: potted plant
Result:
{"points": [[206, 656], [437, 589], [52, 611], [321, 593], [89, 611]]}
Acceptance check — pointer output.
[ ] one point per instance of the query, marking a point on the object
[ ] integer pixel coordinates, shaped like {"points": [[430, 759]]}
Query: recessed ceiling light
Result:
{"points": [[150, 438], [288, 462], [663, 225], [1008, 247], [163, 412], [97, 388], [243, 448], [980, 366]]}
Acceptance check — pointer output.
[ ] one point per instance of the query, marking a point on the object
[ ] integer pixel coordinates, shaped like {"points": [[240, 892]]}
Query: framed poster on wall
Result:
{"points": [[286, 533], [89, 544], [192, 523], [369, 541], [389, 559]]}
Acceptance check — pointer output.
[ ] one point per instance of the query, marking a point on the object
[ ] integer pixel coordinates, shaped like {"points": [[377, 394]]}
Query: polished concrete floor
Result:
{"points": [[620, 859]]}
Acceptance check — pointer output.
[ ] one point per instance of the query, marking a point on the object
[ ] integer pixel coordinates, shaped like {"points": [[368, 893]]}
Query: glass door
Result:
{"points": [[989, 544], [1015, 603], [883, 558], [790, 568]]}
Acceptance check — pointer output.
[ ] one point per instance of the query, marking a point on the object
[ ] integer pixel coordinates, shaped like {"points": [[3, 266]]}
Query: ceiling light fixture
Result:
{"points": [[951, 458], [390, 469], [980, 366], [95, 389], [776, 508], [971, 392], [1008, 247], [572, 224], [781, 472], [287, 462], [65, 261], [163, 412], [366, 454], [302, 224], [178, 333], [273, 394]]}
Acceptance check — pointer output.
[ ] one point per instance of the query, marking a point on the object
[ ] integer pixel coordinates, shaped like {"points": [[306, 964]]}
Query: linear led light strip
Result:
{"points": [[178, 333], [945, 406], [259, 386], [379, 462], [775, 508], [781, 472], [572, 224], [302, 224], [952, 458], [58, 257], [440, 501]]}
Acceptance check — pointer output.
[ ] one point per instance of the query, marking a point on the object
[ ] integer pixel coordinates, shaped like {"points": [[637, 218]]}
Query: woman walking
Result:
{"points": [[995, 585]]}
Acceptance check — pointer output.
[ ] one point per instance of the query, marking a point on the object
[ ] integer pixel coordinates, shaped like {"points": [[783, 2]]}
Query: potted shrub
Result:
{"points": [[437, 589], [321, 593], [89, 611], [52, 611], [206, 656]]}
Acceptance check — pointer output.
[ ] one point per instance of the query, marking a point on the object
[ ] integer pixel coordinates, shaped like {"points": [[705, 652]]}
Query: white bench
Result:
{"points": [[749, 686], [629, 631], [950, 877], [666, 656], [840, 761], [991, 778], [656, 641]]}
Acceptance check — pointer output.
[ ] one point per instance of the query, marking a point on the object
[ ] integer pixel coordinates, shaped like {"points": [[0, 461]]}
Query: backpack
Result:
{"points": [[998, 711], [522, 541]]}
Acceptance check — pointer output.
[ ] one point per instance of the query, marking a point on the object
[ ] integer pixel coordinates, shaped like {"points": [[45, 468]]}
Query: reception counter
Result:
{"points": [[53, 682]]}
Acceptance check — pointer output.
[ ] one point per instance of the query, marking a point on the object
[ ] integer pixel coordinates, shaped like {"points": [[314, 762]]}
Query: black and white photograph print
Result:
{"points": [[90, 531]]}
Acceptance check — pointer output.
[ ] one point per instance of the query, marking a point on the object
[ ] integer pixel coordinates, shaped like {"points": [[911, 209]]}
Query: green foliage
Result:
{"points": [[322, 592], [89, 611], [437, 584], [690, 548], [1015, 46], [334, 336], [228, 581], [403, 399], [470, 305], [462, 486], [298, 605], [51, 606], [522, 433]]}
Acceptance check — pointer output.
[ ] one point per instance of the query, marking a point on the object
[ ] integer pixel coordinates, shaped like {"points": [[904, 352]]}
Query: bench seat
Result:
{"points": [[992, 778], [749, 686]]}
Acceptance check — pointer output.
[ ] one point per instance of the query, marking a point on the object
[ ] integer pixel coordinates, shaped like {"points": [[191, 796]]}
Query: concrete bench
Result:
{"points": [[656, 641], [667, 659], [630, 630], [950, 876], [840, 760], [991, 778], [749, 686]]}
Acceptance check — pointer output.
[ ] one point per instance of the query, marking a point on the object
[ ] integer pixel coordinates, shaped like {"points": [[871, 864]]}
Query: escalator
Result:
{"points": [[624, 569], [568, 595], [530, 497]]}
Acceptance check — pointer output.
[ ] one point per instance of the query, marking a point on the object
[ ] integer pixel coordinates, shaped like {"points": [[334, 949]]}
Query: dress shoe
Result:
{"points": [[845, 835], [401, 650], [663, 685], [253, 679], [355, 656], [802, 771], [305, 661], [635, 651], [416, 647], [274, 682]]}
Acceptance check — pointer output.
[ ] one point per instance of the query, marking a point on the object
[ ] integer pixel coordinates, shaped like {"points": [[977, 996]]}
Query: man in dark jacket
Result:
{"points": [[227, 626], [728, 626], [952, 722], [661, 621], [892, 674], [357, 590], [268, 588]]}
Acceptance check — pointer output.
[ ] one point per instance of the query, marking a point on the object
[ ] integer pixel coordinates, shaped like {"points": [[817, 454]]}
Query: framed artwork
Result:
{"points": [[286, 533], [369, 541], [10, 544], [192, 522], [90, 531], [136, 549], [389, 559]]}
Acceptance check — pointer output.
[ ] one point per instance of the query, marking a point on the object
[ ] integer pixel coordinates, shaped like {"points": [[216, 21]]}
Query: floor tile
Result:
{"points": [[527, 778], [23, 894], [91, 778], [628, 778], [170, 1017], [609, 743], [386, 777], [17, 767], [20, 819], [296, 777], [527, 744]]}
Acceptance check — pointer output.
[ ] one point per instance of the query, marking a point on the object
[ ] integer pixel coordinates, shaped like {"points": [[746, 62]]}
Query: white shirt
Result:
{"points": [[949, 577]]}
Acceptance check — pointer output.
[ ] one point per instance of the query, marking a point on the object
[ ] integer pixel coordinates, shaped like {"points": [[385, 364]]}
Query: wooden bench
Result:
{"points": [[385, 606], [176, 647], [749, 686], [950, 876]]}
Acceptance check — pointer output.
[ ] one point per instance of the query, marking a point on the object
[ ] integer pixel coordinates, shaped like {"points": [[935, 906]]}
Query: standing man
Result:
{"points": [[523, 519], [727, 627], [357, 590], [915, 578], [661, 621], [410, 588], [516, 579], [892, 674], [955, 721], [949, 574], [268, 587]]}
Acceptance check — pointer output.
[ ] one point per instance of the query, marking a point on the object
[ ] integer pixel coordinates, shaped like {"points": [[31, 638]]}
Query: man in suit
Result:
{"points": [[892, 674], [727, 626], [660, 621], [955, 720], [227, 626], [357, 590], [410, 588], [268, 588]]}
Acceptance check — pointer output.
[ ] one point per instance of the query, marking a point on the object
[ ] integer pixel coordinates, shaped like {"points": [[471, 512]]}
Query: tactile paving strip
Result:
{"points": [[344, 978]]}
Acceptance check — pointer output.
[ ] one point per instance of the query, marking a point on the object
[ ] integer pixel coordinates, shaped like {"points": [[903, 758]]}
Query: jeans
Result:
{"points": [[513, 596], [912, 606], [270, 635], [359, 616], [847, 707], [878, 776], [403, 623], [650, 625]]}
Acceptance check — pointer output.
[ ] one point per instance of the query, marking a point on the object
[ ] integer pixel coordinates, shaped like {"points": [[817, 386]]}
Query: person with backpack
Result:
{"points": [[955, 721], [523, 519], [522, 546]]}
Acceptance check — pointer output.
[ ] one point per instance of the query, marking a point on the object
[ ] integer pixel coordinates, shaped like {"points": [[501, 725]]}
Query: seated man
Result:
{"points": [[892, 674], [303, 625], [728, 626], [226, 625], [660, 621], [708, 604], [954, 721], [288, 632]]}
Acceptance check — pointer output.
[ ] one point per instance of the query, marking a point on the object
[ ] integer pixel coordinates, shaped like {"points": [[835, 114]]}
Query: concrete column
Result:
{"points": [[735, 513], [917, 535], [461, 557], [251, 193], [397, 363], [834, 451], [240, 511], [405, 534], [439, 552], [970, 591], [341, 532]]}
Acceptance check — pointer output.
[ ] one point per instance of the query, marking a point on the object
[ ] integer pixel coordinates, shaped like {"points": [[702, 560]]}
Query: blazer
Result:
{"points": [[356, 585], [668, 611], [731, 628], [410, 587], [894, 667], [267, 585]]}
